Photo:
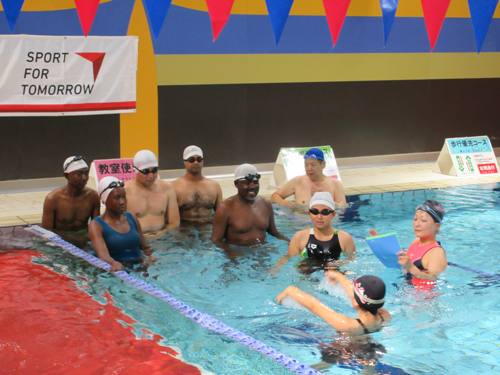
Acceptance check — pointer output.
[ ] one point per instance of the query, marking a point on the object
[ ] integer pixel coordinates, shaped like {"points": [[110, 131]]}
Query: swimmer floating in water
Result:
{"points": [[116, 235], [425, 258]]}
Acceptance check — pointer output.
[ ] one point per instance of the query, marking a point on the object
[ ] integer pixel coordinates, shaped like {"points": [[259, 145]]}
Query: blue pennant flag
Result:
{"points": [[278, 14], [157, 12], [12, 9], [481, 13], [389, 8]]}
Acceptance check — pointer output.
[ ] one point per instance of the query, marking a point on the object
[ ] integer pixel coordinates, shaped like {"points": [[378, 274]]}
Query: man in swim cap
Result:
{"points": [[67, 209], [304, 187], [197, 196], [151, 200], [244, 218]]}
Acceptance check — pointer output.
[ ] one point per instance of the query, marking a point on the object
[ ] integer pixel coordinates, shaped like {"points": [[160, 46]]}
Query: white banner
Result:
{"points": [[67, 75]]}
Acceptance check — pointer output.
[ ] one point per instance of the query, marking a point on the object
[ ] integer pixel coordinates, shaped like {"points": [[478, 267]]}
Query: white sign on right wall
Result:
{"points": [[470, 156]]}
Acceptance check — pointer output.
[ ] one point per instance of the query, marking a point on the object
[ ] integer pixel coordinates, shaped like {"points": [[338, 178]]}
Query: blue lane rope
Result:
{"points": [[202, 319], [364, 238]]}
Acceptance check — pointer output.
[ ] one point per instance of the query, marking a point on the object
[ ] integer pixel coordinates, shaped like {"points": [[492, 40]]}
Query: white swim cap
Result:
{"points": [[191, 151], [324, 198], [243, 170], [145, 159], [104, 188], [74, 163]]}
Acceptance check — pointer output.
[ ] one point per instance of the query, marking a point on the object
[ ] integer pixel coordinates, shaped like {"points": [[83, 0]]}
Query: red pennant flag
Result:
{"points": [[95, 58], [336, 11], [434, 13], [219, 11], [86, 12]]}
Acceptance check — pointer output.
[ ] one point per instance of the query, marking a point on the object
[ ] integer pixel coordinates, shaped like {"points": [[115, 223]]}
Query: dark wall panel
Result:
{"points": [[249, 123], [36, 147]]}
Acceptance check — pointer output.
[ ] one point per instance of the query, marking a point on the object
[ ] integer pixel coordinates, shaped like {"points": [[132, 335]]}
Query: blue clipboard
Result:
{"points": [[386, 247]]}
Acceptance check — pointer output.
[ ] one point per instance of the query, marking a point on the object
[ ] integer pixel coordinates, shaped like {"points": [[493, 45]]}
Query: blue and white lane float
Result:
{"points": [[202, 319]]}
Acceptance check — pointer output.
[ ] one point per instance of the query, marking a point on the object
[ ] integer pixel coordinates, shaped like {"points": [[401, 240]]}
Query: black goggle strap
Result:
{"points": [[253, 176], [146, 171], [76, 158], [112, 185]]}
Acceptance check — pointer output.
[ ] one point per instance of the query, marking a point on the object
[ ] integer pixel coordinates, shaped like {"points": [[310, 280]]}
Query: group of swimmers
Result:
{"points": [[148, 206]]}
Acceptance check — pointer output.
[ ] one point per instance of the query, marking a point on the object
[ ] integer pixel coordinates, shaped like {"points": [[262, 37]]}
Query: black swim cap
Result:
{"points": [[369, 292], [434, 209]]}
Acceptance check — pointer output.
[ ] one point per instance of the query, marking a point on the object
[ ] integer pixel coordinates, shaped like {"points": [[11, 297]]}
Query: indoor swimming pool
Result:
{"points": [[452, 327]]}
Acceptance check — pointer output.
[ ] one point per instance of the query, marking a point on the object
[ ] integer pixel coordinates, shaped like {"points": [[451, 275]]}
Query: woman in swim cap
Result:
{"points": [[116, 235], [425, 258], [367, 294], [322, 242]]}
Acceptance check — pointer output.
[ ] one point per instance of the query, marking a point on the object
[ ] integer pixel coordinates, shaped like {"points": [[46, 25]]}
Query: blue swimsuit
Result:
{"points": [[122, 247]]}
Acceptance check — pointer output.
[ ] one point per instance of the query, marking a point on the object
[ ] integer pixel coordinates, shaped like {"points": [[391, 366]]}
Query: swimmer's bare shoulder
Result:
{"points": [[346, 242], [287, 189]]}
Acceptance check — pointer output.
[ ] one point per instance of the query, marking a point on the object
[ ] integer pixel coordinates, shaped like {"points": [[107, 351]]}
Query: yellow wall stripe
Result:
{"points": [[234, 69], [139, 130]]}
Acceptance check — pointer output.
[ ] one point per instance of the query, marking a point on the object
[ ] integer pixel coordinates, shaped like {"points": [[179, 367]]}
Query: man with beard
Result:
{"points": [[197, 196], [151, 200], [67, 210], [244, 218]]}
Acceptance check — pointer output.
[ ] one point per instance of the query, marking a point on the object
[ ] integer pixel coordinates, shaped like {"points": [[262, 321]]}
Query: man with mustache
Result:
{"points": [[244, 219]]}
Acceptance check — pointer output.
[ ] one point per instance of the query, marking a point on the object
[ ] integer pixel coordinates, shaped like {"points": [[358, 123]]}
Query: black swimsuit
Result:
{"points": [[322, 249], [365, 330]]}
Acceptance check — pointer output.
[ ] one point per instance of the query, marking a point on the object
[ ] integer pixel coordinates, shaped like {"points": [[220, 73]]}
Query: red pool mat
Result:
{"points": [[49, 326]]}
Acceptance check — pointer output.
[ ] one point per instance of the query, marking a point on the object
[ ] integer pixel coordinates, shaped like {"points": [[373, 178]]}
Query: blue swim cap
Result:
{"points": [[314, 153]]}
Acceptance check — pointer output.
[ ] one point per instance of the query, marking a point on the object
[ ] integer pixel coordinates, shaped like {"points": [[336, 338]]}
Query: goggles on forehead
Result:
{"points": [[324, 211], [147, 171], [251, 177], [314, 157], [76, 158], [113, 185], [192, 159], [430, 211]]}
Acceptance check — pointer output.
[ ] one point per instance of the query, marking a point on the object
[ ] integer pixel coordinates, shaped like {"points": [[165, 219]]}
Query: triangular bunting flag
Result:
{"points": [[481, 13], [278, 14], [156, 11], [389, 8], [12, 8], [219, 11], [434, 13], [96, 59], [86, 12], [336, 11]]}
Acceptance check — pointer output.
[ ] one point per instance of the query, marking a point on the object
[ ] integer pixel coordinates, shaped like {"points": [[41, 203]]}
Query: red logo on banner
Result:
{"points": [[487, 168], [96, 58]]}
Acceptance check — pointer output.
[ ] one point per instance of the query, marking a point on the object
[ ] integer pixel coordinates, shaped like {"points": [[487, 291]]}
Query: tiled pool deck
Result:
{"points": [[26, 208]]}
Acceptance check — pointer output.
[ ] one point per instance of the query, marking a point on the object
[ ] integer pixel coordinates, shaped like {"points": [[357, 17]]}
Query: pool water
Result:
{"points": [[453, 328]]}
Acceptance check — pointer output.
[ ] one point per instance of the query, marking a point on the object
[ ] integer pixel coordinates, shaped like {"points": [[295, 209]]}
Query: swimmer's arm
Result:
{"points": [[284, 192], [49, 213], [96, 204], [339, 321], [144, 244], [172, 216], [339, 194], [95, 232], [219, 199], [335, 277], [349, 245], [219, 229], [271, 229], [436, 263]]}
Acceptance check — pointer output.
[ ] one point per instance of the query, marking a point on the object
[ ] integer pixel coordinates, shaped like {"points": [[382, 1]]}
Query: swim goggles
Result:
{"points": [[431, 212], [76, 158], [251, 177], [314, 157], [324, 211], [147, 171], [360, 292], [191, 159], [113, 185]]}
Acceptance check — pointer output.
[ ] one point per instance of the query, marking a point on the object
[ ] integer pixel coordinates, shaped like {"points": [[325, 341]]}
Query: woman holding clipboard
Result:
{"points": [[425, 259]]}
